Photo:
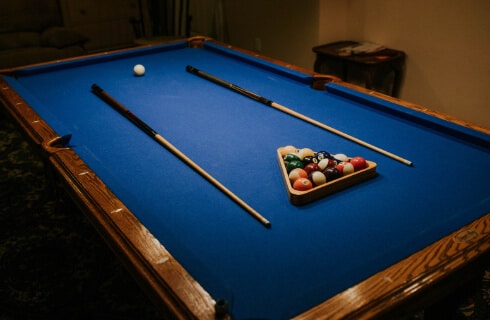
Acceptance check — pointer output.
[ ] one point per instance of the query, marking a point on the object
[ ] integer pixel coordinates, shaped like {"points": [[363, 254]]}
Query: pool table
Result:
{"points": [[406, 235]]}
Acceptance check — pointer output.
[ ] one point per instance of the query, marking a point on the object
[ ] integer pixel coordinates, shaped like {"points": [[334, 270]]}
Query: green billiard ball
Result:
{"points": [[293, 164], [290, 157]]}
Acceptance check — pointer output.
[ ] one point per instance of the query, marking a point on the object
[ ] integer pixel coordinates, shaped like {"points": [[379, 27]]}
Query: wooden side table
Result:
{"points": [[380, 70]]}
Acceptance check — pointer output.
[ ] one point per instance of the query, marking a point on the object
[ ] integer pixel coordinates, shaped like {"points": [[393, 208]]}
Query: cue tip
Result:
{"points": [[405, 161]]}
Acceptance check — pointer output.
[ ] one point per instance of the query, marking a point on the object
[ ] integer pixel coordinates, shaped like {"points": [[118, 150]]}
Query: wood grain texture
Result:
{"points": [[389, 288], [163, 278], [30, 122]]}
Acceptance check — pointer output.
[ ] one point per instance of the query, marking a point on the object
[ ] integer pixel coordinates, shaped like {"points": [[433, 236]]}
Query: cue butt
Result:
{"points": [[157, 137], [213, 180]]}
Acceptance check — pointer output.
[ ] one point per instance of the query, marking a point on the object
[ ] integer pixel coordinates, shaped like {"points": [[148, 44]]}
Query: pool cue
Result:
{"points": [[293, 113], [152, 133]]}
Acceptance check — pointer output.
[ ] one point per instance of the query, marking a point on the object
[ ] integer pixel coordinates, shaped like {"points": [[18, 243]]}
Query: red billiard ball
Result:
{"points": [[359, 163], [310, 167], [302, 184], [297, 173]]}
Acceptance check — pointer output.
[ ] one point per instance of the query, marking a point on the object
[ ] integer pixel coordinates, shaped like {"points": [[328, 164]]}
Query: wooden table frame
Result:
{"points": [[437, 267]]}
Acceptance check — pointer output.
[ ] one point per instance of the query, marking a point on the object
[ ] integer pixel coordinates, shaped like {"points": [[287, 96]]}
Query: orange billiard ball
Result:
{"points": [[297, 173], [302, 184]]}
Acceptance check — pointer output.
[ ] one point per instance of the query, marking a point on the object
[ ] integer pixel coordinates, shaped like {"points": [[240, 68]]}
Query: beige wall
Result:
{"points": [[282, 29], [448, 48], [448, 64]]}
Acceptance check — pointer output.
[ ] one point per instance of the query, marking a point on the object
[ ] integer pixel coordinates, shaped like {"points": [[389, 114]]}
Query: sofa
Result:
{"points": [[31, 31]]}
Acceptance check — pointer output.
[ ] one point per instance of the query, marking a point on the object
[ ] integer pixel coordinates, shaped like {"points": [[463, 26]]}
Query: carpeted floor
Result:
{"points": [[53, 265]]}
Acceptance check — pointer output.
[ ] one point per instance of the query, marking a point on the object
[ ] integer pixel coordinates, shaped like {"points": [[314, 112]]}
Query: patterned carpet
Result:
{"points": [[53, 265]]}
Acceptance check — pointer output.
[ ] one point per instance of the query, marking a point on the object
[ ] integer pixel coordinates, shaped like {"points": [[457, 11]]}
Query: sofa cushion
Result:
{"points": [[29, 15], [26, 56], [19, 40], [60, 37]]}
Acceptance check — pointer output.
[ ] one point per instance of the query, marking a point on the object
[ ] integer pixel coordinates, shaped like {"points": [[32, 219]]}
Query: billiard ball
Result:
{"points": [[340, 157], [309, 159], [139, 70], [310, 167], [290, 157], [345, 168], [287, 149], [302, 184], [320, 155], [297, 173], [332, 173], [318, 178], [359, 163], [324, 163], [293, 164], [305, 152]]}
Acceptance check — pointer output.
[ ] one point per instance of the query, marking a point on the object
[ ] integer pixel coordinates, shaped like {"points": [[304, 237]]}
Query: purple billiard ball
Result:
{"points": [[332, 173]]}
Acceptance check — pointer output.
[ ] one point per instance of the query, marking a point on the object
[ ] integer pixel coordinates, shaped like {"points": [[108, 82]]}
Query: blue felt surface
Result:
{"points": [[311, 252]]}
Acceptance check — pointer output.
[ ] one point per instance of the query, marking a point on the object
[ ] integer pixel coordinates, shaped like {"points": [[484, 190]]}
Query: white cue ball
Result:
{"points": [[139, 70]]}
